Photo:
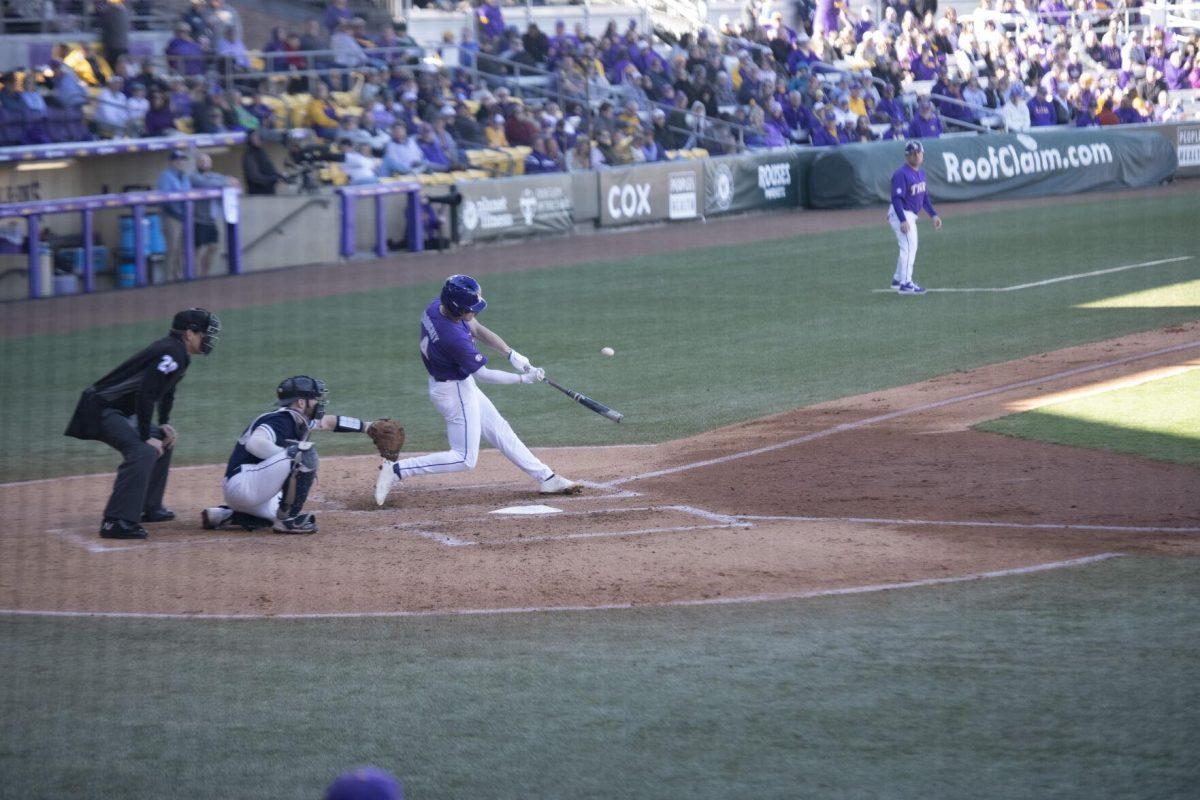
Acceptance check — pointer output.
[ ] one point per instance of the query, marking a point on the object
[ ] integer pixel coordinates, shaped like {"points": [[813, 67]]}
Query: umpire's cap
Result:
{"points": [[202, 321], [913, 147], [191, 319]]}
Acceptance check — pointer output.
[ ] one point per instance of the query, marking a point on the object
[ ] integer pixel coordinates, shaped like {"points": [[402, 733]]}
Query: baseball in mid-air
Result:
{"points": [[607, 351]]}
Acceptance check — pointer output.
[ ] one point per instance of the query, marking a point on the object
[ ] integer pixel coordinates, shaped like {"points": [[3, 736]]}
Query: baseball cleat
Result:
{"points": [[160, 514], [122, 529], [910, 288], [215, 517], [557, 484], [301, 523], [387, 480], [895, 285]]}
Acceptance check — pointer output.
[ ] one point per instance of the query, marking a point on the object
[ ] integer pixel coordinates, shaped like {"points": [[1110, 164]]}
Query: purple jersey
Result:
{"points": [[447, 347], [908, 192]]}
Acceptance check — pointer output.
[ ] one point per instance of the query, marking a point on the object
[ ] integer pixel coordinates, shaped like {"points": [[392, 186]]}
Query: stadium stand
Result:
{"points": [[496, 100]]}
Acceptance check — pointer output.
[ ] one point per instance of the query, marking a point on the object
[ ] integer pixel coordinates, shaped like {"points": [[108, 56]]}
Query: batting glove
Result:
{"points": [[520, 363], [534, 375]]}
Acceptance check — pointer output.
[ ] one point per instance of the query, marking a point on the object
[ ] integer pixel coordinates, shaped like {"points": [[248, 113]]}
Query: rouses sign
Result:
{"points": [[1038, 163], [515, 207], [758, 180], [650, 192]]}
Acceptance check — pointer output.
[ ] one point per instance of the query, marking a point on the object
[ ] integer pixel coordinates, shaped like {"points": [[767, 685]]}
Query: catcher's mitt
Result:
{"points": [[388, 436]]}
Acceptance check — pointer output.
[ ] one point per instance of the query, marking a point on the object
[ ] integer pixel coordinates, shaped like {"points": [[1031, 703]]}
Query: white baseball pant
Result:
{"points": [[908, 245], [257, 488], [469, 414]]}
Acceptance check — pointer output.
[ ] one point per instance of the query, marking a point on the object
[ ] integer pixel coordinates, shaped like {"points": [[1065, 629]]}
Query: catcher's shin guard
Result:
{"points": [[301, 480]]}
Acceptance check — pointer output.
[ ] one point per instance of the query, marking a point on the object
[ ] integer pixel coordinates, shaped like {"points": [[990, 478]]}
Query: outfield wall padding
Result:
{"points": [[1035, 164]]}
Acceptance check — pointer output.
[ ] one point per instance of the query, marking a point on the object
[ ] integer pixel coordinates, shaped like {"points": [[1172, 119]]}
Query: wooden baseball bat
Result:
{"points": [[588, 402]]}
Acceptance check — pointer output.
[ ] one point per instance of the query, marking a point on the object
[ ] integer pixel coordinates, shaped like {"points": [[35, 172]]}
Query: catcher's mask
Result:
{"points": [[302, 387], [201, 321]]}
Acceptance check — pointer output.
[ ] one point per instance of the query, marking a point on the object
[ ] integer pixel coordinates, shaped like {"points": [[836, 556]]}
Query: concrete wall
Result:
{"points": [[288, 230]]}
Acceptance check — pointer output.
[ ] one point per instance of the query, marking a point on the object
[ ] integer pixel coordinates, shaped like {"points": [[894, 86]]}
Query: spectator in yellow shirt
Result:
{"points": [[858, 105], [322, 117], [494, 132]]}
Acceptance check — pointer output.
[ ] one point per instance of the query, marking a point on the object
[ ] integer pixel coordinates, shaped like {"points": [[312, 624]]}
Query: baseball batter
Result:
{"points": [[909, 197], [449, 331], [274, 465]]}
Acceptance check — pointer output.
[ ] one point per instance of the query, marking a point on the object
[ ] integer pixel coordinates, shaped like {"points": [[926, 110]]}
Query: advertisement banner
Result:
{"points": [[651, 192], [1035, 164], [515, 207], [759, 180], [1188, 145]]}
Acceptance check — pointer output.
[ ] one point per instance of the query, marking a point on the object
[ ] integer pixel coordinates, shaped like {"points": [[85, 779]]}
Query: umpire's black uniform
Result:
{"points": [[118, 410]]}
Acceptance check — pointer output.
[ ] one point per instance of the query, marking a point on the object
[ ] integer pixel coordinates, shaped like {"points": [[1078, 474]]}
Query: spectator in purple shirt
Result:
{"points": [[435, 157], [184, 55], [898, 130], [159, 119], [829, 133], [888, 104], [538, 161], [1175, 71], [1041, 110], [1126, 113], [925, 124], [491, 21], [335, 13]]}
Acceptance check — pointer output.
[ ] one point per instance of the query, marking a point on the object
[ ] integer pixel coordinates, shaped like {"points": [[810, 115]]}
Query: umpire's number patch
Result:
{"points": [[167, 365]]}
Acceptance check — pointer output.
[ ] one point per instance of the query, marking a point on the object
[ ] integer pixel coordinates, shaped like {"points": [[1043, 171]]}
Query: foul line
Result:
{"points": [[903, 412], [1059, 279], [1051, 526], [471, 612]]}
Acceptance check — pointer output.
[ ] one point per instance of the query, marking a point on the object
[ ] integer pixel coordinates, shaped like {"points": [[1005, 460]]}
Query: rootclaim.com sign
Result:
{"points": [[1007, 161]]}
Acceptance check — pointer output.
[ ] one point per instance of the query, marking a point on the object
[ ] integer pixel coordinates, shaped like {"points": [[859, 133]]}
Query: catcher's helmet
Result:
{"points": [[461, 294], [302, 387], [201, 321]]}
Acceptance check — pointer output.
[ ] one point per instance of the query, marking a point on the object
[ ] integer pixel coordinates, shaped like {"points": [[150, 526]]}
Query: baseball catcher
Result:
{"points": [[274, 465]]}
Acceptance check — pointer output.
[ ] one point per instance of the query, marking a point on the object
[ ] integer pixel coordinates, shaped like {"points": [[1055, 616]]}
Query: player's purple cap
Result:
{"points": [[913, 147], [365, 783]]}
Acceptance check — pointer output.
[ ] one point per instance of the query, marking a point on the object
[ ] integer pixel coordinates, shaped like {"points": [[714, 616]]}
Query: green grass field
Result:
{"points": [[1080, 683], [1073, 684], [1159, 419], [703, 337]]}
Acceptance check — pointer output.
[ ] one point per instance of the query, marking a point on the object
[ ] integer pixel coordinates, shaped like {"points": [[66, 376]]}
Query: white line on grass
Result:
{"points": [[1059, 279], [1051, 526], [708, 601], [903, 412]]}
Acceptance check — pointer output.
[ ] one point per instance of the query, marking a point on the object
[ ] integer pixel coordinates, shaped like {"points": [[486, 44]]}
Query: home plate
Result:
{"points": [[527, 510]]}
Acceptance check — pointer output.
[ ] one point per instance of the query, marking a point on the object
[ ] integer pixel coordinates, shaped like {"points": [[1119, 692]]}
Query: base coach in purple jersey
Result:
{"points": [[909, 197]]}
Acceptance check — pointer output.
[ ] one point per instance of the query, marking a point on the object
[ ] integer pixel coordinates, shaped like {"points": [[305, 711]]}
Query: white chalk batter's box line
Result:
{"points": [[712, 521]]}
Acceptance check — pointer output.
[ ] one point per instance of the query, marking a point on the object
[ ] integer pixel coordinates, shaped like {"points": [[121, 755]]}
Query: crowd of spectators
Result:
{"points": [[826, 75]]}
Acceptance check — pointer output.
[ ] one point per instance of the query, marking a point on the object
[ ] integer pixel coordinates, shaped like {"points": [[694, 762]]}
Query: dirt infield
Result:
{"points": [[880, 488]]}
